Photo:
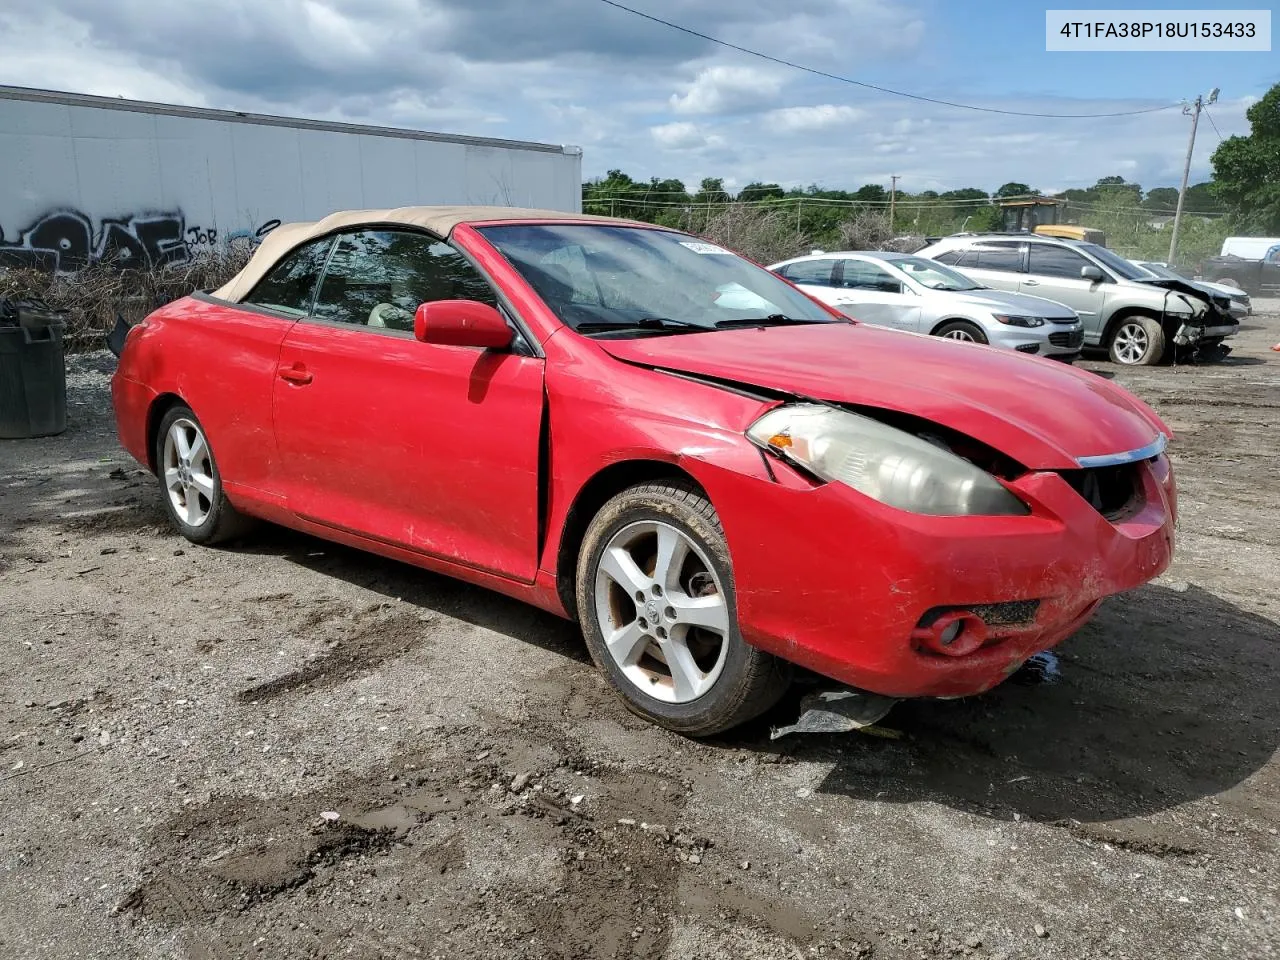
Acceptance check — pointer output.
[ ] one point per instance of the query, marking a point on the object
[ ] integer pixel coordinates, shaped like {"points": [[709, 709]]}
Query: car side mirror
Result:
{"points": [[461, 323], [890, 286], [1090, 272]]}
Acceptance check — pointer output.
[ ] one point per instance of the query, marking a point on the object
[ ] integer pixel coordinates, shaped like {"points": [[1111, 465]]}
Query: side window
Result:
{"points": [[379, 278], [997, 256], [1050, 261], [950, 257], [291, 283], [814, 272], [861, 275]]}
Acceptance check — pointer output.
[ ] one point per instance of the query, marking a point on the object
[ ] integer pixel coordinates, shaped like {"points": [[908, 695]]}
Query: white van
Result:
{"points": [[1248, 248]]}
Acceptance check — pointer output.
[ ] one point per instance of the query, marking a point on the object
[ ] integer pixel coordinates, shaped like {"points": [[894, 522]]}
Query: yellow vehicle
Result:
{"points": [[1071, 232]]}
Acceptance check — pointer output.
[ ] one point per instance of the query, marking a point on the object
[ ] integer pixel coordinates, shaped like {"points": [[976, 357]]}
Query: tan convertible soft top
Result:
{"points": [[437, 220]]}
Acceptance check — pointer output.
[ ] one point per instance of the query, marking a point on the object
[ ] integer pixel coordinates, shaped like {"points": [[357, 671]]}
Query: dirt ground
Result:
{"points": [[290, 749]]}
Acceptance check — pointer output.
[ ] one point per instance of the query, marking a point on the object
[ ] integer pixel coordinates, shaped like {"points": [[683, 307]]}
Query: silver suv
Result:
{"points": [[1138, 318]]}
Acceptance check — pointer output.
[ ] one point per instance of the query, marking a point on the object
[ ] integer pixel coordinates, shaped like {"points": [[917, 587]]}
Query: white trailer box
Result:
{"points": [[1248, 248], [82, 178]]}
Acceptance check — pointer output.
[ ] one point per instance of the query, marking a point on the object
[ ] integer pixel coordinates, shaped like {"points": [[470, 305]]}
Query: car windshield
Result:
{"points": [[605, 280], [1114, 261], [934, 275]]}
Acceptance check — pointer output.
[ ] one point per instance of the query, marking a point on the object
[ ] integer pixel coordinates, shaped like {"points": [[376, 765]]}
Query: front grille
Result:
{"points": [[1067, 338], [1113, 491]]}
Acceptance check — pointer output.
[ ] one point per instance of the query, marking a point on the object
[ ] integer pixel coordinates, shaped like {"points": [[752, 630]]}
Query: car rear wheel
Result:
{"points": [[1137, 341], [657, 606], [961, 330], [191, 482]]}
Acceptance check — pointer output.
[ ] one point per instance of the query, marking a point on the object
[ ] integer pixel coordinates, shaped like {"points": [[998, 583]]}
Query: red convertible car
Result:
{"points": [[630, 426]]}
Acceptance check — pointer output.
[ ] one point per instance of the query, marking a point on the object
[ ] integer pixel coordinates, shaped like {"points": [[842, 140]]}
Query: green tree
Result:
{"points": [[965, 193], [1161, 198], [760, 191], [1014, 189], [1246, 170], [711, 190], [1201, 198]]}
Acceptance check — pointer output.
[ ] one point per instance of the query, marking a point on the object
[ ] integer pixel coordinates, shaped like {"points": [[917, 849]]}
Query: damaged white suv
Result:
{"points": [[1138, 318]]}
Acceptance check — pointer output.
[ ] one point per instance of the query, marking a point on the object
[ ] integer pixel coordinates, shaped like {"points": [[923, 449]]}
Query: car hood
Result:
{"points": [[1042, 413], [1017, 304]]}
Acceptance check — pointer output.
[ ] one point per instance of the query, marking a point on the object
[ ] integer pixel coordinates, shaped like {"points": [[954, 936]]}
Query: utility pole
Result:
{"points": [[893, 198], [1192, 110]]}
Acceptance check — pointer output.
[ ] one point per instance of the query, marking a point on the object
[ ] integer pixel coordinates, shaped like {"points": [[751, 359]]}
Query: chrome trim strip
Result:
{"points": [[1152, 449]]}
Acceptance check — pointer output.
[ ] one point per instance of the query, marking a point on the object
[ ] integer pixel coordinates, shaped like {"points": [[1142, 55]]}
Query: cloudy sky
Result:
{"points": [[655, 102]]}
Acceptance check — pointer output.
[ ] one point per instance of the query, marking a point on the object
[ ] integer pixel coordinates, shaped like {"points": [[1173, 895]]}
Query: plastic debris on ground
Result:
{"points": [[840, 711], [1042, 668]]}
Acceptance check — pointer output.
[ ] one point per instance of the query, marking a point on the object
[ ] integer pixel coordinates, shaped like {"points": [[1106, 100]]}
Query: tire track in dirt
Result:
{"points": [[350, 656]]}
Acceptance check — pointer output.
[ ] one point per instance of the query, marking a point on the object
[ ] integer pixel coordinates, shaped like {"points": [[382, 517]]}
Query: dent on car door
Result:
{"points": [[875, 295], [432, 448]]}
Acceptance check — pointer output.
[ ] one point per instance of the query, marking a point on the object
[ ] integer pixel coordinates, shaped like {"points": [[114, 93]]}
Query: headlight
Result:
{"points": [[885, 463], [1019, 321]]}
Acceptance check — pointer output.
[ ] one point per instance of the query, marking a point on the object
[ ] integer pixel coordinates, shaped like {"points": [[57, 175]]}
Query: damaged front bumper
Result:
{"points": [[905, 605]]}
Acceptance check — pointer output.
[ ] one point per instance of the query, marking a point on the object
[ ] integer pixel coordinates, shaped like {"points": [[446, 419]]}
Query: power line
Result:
{"points": [[873, 86], [1212, 124], [691, 204]]}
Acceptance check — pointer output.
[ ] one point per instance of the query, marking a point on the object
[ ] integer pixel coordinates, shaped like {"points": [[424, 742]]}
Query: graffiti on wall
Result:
{"points": [[65, 241]]}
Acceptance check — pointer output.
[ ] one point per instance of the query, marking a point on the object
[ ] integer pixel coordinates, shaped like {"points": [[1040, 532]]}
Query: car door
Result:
{"points": [[1053, 272], [1269, 274], [431, 448], [994, 263], [868, 292], [814, 277], [240, 344]]}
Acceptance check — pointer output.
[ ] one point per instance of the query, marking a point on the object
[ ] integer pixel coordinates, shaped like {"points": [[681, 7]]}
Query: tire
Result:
{"points": [[1137, 342], [190, 483], [961, 330], [723, 681]]}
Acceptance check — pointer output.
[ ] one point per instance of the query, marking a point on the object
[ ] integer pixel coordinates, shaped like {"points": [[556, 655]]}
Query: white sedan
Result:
{"points": [[911, 293]]}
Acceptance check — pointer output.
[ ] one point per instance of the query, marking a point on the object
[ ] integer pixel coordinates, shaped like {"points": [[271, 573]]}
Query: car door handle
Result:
{"points": [[1031, 283], [296, 374]]}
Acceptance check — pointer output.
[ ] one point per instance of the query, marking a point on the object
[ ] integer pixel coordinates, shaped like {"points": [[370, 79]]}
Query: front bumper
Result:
{"points": [[1059, 341], [835, 582]]}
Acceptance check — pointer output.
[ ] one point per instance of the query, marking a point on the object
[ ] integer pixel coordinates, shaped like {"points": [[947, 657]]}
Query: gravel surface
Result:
{"points": [[291, 749]]}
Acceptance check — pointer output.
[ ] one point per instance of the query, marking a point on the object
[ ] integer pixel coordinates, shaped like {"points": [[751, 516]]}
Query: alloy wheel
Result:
{"points": [[959, 334], [188, 473], [662, 611], [1131, 343]]}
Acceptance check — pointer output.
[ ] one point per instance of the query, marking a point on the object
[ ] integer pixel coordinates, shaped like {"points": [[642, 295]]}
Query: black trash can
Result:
{"points": [[33, 380]]}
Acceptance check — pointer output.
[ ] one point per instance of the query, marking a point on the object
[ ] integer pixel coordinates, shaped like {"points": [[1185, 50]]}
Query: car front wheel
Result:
{"points": [[656, 602], [1137, 341], [962, 330]]}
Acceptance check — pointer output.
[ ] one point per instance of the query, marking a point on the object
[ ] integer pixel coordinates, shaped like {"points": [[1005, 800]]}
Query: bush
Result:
{"points": [[93, 296], [866, 231], [763, 234]]}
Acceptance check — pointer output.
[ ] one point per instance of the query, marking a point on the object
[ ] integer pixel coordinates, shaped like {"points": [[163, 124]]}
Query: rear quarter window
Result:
{"points": [[290, 286]]}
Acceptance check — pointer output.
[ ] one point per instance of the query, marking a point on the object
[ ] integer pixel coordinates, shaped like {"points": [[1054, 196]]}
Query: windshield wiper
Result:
{"points": [[772, 320], [644, 323]]}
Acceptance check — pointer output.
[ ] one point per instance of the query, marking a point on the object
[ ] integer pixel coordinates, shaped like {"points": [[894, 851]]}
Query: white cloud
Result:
{"points": [[680, 135], [818, 117], [725, 89]]}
